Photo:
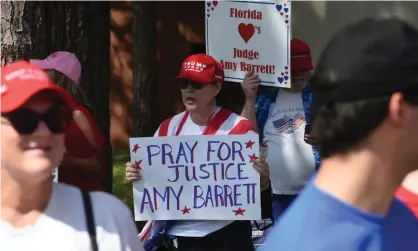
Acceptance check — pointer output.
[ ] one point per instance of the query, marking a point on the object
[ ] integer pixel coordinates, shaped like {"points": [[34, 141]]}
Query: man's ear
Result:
{"points": [[398, 109]]}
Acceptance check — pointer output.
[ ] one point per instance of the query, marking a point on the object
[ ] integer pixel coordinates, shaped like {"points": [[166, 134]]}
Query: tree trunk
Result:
{"points": [[36, 29], [15, 33], [96, 67], [145, 85]]}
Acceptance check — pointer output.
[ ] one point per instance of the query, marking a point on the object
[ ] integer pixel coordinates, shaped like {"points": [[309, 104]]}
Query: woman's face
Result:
{"points": [[27, 155], [197, 95]]}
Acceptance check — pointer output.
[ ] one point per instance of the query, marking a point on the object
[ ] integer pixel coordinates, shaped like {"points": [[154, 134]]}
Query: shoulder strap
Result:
{"points": [[243, 127], [216, 122], [182, 122], [164, 128], [91, 226]]}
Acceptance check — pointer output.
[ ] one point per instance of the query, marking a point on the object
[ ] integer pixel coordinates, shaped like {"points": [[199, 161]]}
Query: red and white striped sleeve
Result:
{"points": [[244, 126]]}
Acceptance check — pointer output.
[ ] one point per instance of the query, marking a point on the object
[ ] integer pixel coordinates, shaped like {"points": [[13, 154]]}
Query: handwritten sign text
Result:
{"points": [[196, 177]]}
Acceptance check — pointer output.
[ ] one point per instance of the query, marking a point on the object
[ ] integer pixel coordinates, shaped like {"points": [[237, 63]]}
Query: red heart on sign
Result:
{"points": [[214, 8], [246, 31], [281, 13], [282, 74], [287, 16], [215, 3]]}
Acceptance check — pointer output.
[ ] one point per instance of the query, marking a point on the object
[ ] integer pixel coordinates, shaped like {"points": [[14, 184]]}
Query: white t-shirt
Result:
{"points": [[200, 228], [290, 158], [63, 225]]}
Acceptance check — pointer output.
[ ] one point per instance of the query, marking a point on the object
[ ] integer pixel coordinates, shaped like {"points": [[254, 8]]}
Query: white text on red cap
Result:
{"points": [[25, 73], [194, 66]]}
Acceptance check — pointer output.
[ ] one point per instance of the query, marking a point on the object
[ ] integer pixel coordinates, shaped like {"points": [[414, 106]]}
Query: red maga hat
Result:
{"points": [[300, 55], [22, 80], [202, 68]]}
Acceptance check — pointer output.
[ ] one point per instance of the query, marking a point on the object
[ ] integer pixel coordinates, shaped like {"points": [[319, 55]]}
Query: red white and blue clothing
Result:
{"points": [[282, 117]]}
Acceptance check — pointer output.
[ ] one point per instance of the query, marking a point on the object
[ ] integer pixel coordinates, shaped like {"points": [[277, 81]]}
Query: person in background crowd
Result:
{"points": [[282, 116], [36, 213], [365, 116], [84, 164], [408, 192], [200, 82]]}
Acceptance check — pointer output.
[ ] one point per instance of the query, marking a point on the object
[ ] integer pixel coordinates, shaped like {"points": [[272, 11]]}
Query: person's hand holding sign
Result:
{"points": [[131, 173], [263, 168], [250, 85]]}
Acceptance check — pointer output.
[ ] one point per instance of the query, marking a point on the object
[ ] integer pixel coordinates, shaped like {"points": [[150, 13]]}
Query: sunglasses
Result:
{"points": [[25, 121], [194, 85]]}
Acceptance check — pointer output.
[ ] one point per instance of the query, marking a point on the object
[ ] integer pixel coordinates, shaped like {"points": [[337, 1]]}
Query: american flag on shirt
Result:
{"points": [[298, 120], [288, 123], [284, 124]]}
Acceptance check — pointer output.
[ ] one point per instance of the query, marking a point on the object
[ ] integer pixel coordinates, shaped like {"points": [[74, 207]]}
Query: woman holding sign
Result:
{"points": [[200, 82]]}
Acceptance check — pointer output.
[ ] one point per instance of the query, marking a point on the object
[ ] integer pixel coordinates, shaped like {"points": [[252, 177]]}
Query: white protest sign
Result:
{"points": [[196, 177], [55, 175], [250, 35]]}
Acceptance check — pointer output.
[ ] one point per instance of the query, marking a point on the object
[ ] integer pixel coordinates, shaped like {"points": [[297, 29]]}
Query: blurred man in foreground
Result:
{"points": [[365, 121]]}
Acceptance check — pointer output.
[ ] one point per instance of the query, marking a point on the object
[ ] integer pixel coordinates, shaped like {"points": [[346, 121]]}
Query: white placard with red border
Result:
{"points": [[196, 178], [250, 35]]}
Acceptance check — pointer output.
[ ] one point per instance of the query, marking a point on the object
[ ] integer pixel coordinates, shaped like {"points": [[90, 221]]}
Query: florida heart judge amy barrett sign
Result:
{"points": [[246, 35], [196, 177]]}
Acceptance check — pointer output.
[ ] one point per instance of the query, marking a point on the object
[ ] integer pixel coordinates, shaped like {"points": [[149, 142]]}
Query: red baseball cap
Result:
{"points": [[22, 80], [300, 55], [202, 68]]}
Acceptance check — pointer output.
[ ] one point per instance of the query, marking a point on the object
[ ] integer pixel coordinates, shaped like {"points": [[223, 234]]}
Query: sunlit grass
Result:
{"points": [[120, 188]]}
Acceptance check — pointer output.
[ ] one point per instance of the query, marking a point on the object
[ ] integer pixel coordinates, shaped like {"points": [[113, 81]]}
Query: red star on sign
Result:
{"points": [[138, 164], [136, 147], [253, 157], [186, 210], [249, 144], [239, 211]]}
